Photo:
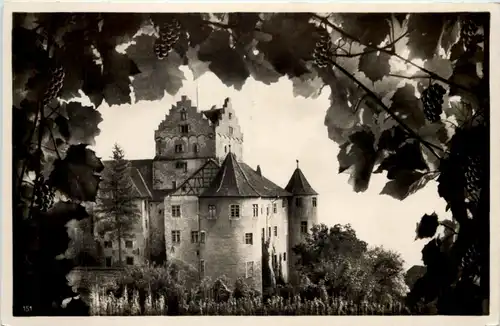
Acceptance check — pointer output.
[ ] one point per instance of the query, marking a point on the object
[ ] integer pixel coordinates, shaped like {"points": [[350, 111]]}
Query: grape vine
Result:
{"points": [[435, 111]]}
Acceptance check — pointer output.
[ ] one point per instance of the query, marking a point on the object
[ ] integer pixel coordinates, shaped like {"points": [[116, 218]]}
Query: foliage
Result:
{"points": [[117, 212], [103, 304], [377, 66], [334, 258]]}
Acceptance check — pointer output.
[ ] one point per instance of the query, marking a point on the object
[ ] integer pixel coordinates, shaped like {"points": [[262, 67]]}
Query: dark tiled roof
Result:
{"points": [[142, 177], [298, 185], [236, 179], [213, 114]]}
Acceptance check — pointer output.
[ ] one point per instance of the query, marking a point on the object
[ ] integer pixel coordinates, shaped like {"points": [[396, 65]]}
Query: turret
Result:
{"points": [[302, 211]]}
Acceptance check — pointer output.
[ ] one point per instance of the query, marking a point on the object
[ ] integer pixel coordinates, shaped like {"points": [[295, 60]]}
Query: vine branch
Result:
{"points": [[429, 146]]}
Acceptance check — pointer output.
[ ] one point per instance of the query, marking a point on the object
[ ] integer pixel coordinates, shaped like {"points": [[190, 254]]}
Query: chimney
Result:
{"points": [[259, 172]]}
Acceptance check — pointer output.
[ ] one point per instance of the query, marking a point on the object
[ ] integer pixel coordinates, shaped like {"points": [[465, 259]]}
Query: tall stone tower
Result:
{"points": [[302, 213], [187, 138]]}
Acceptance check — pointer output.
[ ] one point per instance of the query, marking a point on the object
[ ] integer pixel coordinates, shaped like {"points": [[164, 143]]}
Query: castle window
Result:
{"points": [[269, 231], [211, 211], [181, 165], [284, 256], [129, 244], [230, 115], [196, 148], [109, 261], [298, 202], [249, 238], [184, 129], [231, 131], [275, 231], [179, 148], [249, 269], [283, 202], [315, 201], [195, 236], [275, 208], [108, 244], [275, 260], [176, 236], [303, 227], [255, 208], [225, 149], [235, 211], [183, 115], [202, 267], [130, 260], [263, 233], [174, 184], [202, 237], [267, 210], [176, 210]]}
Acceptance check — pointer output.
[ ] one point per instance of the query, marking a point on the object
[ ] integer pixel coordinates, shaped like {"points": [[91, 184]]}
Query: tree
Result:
{"points": [[336, 259], [117, 212], [409, 98]]}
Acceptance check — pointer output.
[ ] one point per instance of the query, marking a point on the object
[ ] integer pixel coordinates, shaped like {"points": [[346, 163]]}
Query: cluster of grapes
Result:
{"points": [[468, 32], [169, 35], [44, 195], [322, 51], [432, 98], [473, 171], [55, 85]]}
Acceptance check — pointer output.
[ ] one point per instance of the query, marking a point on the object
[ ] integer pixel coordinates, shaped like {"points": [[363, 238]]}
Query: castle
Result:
{"points": [[202, 205]]}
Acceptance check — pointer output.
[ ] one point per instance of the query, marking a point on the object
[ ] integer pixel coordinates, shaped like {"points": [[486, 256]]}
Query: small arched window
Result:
{"points": [[196, 148], [225, 149]]}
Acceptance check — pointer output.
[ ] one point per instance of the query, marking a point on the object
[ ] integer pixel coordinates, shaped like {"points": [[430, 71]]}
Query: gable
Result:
{"points": [[199, 181]]}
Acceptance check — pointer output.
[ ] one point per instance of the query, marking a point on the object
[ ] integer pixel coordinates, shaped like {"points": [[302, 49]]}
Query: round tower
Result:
{"points": [[302, 213]]}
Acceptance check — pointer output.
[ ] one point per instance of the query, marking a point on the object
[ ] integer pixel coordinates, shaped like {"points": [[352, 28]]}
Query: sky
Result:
{"points": [[279, 129]]}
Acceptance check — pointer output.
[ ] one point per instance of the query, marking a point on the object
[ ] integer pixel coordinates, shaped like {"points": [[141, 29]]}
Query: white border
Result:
{"points": [[6, 280]]}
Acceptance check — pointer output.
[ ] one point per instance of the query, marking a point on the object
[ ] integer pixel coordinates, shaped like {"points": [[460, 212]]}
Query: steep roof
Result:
{"points": [[298, 184], [236, 179]]}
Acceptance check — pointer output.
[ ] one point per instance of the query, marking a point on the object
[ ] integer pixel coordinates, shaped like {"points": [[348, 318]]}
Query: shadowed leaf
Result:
{"points": [[427, 226], [374, 64]]}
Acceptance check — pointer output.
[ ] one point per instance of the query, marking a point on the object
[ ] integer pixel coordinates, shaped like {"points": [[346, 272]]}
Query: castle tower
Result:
{"points": [[237, 210], [187, 138], [302, 212]]}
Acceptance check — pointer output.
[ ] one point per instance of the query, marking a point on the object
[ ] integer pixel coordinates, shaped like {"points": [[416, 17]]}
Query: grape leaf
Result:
{"points": [[63, 125], [451, 33], [293, 42], [83, 123], [62, 212], [370, 29], [399, 188], [307, 85], [196, 27], [115, 32], [117, 70], [408, 157], [197, 66], [260, 69], [77, 174], [422, 182], [359, 157], [157, 76], [408, 107], [374, 64], [225, 62], [424, 34], [439, 66]]}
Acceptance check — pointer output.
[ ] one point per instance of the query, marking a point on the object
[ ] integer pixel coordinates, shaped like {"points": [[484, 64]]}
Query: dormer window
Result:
{"points": [[184, 129], [183, 115]]}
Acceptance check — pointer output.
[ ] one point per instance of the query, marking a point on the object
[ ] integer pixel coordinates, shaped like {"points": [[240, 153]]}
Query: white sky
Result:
{"points": [[278, 129]]}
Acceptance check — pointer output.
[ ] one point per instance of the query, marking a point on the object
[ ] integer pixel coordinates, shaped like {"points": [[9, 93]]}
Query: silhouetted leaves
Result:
{"points": [[374, 64], [399, 188], [225, 61], [157, 76], [424, 34], [427, 226], [77, 174], [408, 107], [370, 29]]}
